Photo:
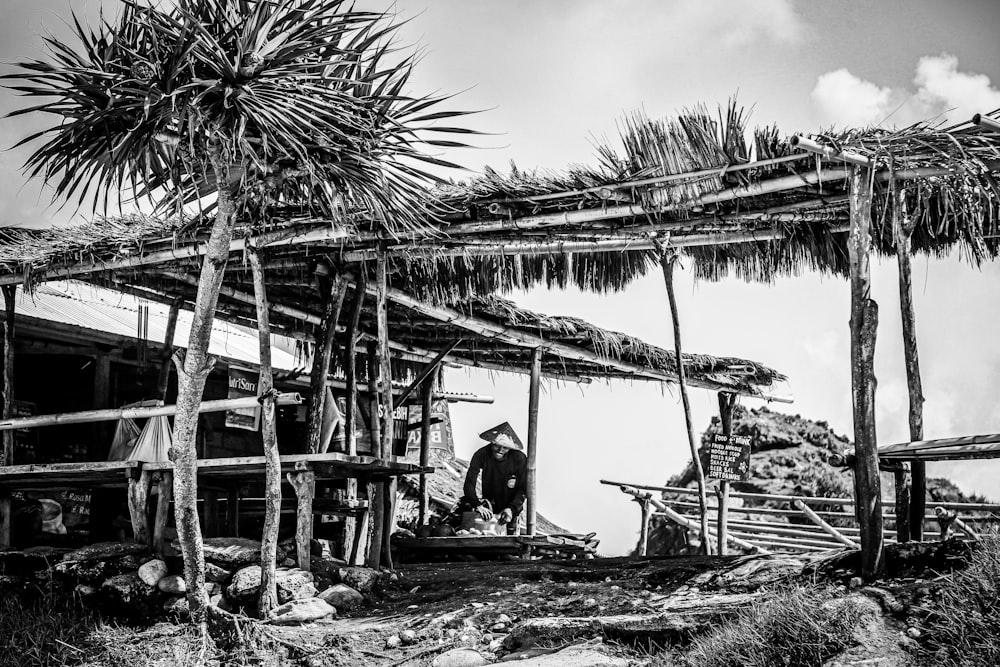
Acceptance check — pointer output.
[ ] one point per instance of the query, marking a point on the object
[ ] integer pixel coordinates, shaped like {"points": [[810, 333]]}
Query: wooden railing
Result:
{"points": [[798, 523]]}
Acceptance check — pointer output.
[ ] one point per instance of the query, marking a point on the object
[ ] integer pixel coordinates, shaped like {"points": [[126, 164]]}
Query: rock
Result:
{"points": [[665, 628], [498, 627], [574, 656], [94, 571], [910, 645], [342, 596], [361, 579], [85, 594], [460, 657], [128, 595], [300, 611], [408, 637], [231, 552], [177, 606], [328, 566], [294, 584], [173, 584], [885, 598], [217, 574], [855, 582], [244, 585], [105, 551], [152, 571], [393, 641], [288, 562], [29, 561], [913, 633]]}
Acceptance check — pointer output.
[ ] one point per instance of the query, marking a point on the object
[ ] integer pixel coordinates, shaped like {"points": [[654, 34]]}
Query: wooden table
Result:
{"points": [[300, 470]]}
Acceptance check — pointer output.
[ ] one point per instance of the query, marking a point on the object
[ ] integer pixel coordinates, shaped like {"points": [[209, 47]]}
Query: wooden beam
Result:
{"points": [[247, 298], [135, 413], [827, 528], [864, 322], [425, 372], [163, 382], [533, 396]]}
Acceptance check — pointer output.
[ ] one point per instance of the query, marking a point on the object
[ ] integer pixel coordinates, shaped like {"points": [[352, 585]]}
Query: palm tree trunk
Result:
{"points": [[268, 599], [193, 368], [667, 264]]}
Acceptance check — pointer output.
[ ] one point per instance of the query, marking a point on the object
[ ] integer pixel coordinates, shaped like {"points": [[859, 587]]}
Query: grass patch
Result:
{"points": [[801, 626], [963, 624]]}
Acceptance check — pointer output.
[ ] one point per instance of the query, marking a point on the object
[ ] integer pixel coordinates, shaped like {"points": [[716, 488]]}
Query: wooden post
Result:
{"points": [[304, 483], [389, 522], [321, 362], [426, 403], [375, 499], [7, 449], [644, 526], [667, 260], [385, 368], [902, 228], [536, 373], [164, 496], [97, 449], [138, 505], [272, 485], [352, 523], [864, 322], [163, 381], [726, 403]]}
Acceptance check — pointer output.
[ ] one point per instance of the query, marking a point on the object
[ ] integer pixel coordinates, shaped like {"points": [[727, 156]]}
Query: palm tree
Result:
{"points": [[248, 103]]}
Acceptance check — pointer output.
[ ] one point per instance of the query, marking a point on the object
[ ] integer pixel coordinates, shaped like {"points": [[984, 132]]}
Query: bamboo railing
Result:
{"points": [[804, 525]]}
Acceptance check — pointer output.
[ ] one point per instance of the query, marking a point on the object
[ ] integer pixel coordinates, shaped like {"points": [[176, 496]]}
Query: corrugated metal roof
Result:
{"points": [[98, 309]]}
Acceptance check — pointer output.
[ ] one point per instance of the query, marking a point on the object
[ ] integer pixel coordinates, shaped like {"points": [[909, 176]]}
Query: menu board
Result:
{"points": [[729, 457]]}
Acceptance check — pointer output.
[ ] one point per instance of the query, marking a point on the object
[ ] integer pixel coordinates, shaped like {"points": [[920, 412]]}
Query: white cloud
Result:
{"points": [[942, 92], [737, 25]]}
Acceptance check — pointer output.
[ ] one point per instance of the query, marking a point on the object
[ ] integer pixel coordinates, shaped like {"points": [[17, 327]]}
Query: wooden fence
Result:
{"points": [[795, 524]]}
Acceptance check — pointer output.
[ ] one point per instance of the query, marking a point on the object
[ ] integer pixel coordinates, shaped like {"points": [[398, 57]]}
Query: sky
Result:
{"points": [[553, 77]]}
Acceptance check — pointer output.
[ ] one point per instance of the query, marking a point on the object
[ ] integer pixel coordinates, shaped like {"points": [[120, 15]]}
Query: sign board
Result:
{"points": [[243, 383], [441, 437], [729, 457]]}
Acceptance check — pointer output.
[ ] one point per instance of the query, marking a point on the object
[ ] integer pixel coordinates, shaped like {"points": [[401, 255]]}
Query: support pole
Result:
{"points": [[726, 403], [376, 508], [351, 522], [426, 403], [163, 381], [272, 484], [334, 298], [644, 526], [7, 449], [304, 484], [668, 259], [913, 525], [536, 373], [864, 322], [384, 360]]}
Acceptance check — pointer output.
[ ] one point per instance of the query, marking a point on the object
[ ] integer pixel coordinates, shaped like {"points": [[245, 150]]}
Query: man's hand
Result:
{"points": [[505, 516], [484, 512]]}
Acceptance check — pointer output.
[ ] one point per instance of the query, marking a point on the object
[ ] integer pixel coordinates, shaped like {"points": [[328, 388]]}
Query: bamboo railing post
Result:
{"points": [[426, 403], [827, 528], [726, 403], [668, 259], [532, 446], [7, 450], [272, 486], [163, 381], [333, 298], [864, 322], [902, 228], [644, 526]]}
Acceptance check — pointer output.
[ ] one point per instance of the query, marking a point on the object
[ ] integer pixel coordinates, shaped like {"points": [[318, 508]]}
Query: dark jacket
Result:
{"points": [[505, 483]]}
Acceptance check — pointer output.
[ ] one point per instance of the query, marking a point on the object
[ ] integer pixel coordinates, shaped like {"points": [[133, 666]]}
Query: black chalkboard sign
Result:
{"points": [[729, 457]]}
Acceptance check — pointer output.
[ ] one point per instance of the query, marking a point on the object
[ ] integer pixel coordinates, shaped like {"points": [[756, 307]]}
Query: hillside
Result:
{"points": [[789, 457]]}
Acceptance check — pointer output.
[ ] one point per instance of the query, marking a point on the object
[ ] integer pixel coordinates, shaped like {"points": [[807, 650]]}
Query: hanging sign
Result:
{"points": [[243, 383], [441, 438], [729, 457]]}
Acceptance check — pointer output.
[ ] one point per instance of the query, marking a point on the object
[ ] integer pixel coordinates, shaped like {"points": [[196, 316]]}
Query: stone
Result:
{"points": [[294, 584], [408, 637], [300, 611], [85, 594], [327, 565], [231, 552], [173, 584], [913, 633], [152, 571], [128, 595], [361, 579], [244, 586], [29, 561], [460, 657], [94, 571], [288, 562], [105, 551], [177, 606], [393, 641], [342, 596], [855, 582], [217, 574]]}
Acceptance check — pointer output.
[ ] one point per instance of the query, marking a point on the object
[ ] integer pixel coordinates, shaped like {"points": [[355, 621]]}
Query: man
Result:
{"points": [[505, 476]]}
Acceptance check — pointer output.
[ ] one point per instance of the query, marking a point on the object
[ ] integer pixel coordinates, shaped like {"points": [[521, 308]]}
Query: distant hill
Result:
{"points": [[789, 457]]}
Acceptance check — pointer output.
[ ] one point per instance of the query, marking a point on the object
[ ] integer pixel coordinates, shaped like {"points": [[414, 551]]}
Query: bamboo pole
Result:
{"points": [[902, 228], [644, 526], [350, 365], [247, 298], [726, 404], [426, 371], [864, 322], [268, 599], [7, 450], [163, 382], [385, 368], [833, 532], [426, 404], [323, 355], [112, 414], [532, 446], [376, 508], [667, 263]]}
